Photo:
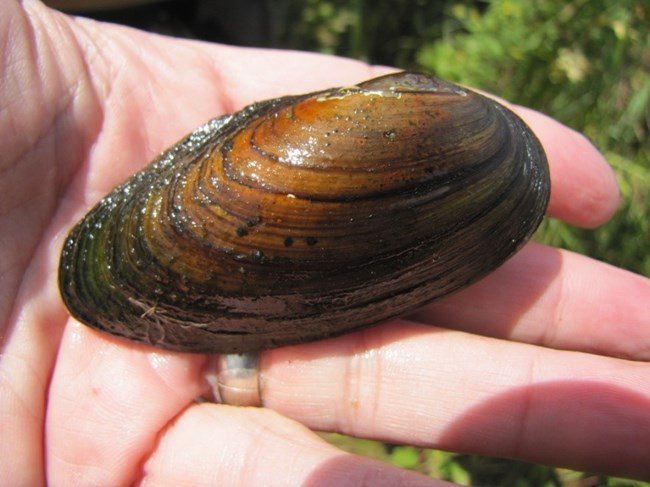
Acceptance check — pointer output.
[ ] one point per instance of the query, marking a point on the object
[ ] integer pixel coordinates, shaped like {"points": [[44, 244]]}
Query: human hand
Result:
{"points": [[544, 360]]}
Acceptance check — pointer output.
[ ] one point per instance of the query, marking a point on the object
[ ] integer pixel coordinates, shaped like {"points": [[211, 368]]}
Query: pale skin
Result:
{"points": [[545, 360]]}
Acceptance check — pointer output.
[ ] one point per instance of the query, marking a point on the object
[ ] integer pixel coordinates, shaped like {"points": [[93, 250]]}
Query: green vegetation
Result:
{"points": [[584, 62]]}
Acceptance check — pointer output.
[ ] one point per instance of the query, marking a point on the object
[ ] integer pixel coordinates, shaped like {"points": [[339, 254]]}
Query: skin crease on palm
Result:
{"points": [[545, 360]]}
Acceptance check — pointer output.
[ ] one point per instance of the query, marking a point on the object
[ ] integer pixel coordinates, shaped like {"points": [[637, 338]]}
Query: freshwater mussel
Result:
{"points": [[308, 216]]}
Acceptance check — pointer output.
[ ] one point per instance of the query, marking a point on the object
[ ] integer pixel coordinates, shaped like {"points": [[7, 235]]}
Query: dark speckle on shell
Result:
{"points": [[308, 216]]}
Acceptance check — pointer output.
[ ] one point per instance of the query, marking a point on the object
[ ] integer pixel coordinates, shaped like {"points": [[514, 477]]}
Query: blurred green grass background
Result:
{"points": [[583, 62]]}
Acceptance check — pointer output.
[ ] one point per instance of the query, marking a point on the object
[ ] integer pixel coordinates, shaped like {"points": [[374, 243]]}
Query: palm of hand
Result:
{"points": [[96, 409]]}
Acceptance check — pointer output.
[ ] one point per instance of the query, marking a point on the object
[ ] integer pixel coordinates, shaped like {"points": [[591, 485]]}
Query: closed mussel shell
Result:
{"points": [[309, 216]]}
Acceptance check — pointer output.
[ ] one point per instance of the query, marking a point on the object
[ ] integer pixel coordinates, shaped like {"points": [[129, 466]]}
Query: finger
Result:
{"points": [[221, 445], [554, 298], [445, 389], [108, 402], [250, 75]]}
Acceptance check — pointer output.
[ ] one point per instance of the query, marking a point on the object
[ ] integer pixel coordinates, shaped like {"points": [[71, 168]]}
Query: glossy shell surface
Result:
{"points": [[308, 216]]}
